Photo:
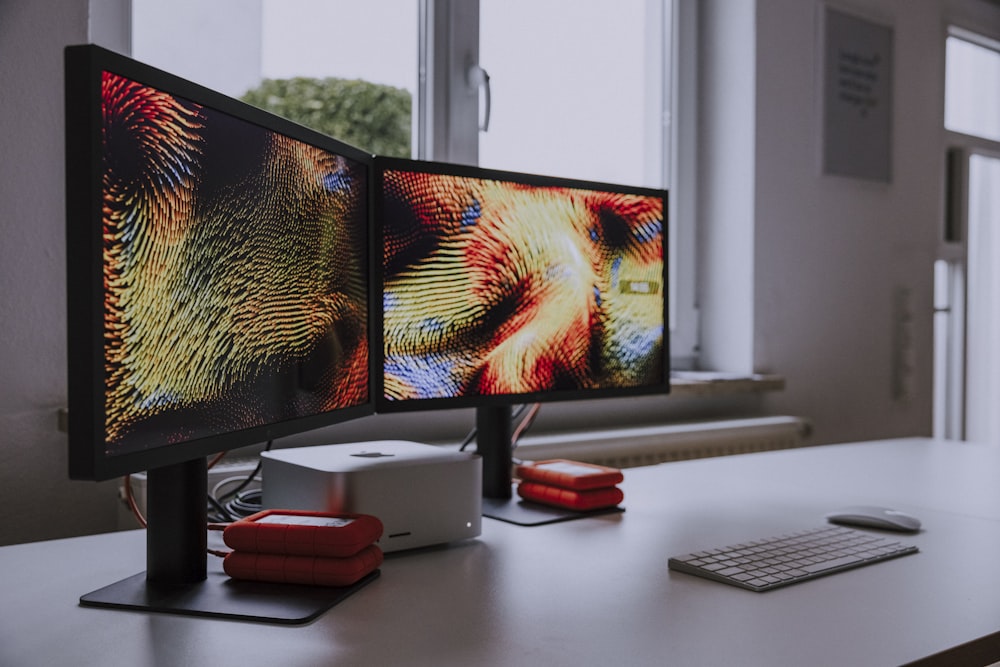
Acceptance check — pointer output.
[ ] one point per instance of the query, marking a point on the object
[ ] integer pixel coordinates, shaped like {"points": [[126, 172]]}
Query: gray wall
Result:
{"points": [[37, 498], [837, 261], [805, 266]]}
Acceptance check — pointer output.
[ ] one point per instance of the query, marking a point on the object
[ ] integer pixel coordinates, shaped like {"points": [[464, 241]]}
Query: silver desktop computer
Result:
{"points": [[423, 494]]}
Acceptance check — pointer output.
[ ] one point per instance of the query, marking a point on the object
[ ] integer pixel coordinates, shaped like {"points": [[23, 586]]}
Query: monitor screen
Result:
{"points": [[500, 287], [218, 271]]}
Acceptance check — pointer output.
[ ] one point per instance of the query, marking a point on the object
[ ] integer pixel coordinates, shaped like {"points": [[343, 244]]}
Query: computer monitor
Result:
{"points": [[218, 264], [502, 288]]}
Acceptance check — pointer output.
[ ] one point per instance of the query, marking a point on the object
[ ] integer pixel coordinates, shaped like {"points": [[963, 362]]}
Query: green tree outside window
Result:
{"points": [[370, 116]]}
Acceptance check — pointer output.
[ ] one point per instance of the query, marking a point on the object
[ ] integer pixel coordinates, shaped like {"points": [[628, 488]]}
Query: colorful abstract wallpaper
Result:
{"points": [[495, 287], [234, 268]]}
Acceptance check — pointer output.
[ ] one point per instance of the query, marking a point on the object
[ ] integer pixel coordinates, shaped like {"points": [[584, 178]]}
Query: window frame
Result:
{"points": [[952, 267], [446, 125], [448, 130]]}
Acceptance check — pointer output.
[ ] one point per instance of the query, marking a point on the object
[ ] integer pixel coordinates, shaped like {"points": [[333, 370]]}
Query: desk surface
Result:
{"points": [[594, 591]]}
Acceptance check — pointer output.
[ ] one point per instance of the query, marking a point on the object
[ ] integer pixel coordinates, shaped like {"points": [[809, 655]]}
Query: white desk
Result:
{"points": [[594, 591]]}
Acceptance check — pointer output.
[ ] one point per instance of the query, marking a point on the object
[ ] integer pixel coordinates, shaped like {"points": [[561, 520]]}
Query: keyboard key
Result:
{"points": [[832, 564]]}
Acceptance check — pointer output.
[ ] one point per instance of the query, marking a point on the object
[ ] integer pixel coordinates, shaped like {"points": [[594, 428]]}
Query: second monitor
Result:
{"points": [[501, 288]]}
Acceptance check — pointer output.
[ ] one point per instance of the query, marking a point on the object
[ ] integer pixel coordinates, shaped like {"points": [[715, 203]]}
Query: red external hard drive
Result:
{"points": [[310, 570], [302, 533], [570, 474], [575, 500]]}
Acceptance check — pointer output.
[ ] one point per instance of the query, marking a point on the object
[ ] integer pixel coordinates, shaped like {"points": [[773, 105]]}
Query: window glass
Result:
{"points": [[972, 89], [577, 88], [982, 381], [220, 46], [335, 65]]}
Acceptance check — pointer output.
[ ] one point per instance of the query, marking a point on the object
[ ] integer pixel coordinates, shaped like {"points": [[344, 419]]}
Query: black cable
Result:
{"points": [[222, 514], [468, 439], [245, 504], [242, 485], [226, 510], [533, 409], [522, 427], [513, 417]]}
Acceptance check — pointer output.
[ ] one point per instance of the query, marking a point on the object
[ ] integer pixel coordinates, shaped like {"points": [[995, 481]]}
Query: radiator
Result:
{"points": [[630, 447]]}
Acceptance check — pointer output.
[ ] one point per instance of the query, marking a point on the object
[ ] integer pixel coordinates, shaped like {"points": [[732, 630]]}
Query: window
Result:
{"points": [[583, 89], [588, 89], [982, 421], [334, 65], [581, 95], [972, 86]]}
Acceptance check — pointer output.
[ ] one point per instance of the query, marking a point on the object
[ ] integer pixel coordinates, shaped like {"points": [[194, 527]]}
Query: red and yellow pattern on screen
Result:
{"points": [[233, 267], [495, 287]]}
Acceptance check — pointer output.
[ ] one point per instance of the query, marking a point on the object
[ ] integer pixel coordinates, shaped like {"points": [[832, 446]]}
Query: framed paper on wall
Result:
{"points": [[857, 61]]}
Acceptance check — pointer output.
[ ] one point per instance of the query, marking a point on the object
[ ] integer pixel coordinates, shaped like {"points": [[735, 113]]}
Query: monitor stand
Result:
{"points": [[178, 579], [493, 443], [524, 513]]}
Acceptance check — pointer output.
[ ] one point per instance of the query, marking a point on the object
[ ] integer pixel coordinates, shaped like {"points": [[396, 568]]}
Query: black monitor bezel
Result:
{"points": [[88, 458], [384, 405]]}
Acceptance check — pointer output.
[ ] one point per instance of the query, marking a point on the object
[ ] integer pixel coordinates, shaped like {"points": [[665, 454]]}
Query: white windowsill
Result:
{"points": [[708, 383]]}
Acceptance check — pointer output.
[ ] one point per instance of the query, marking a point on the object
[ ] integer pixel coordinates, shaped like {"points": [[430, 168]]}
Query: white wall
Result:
{"points": [[834, 262], [38, 500], [833, 252], [818, 260]]}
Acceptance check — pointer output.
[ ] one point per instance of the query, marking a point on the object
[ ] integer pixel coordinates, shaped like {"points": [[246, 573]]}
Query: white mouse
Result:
{"points": [[871, 516]]}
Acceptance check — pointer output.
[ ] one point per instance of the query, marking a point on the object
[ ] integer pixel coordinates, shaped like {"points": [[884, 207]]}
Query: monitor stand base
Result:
{"points": [[523, 513], [221, 597]]}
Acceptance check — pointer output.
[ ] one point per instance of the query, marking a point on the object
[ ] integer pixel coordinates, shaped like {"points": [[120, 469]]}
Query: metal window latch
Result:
{"points": [[479, 79]]}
